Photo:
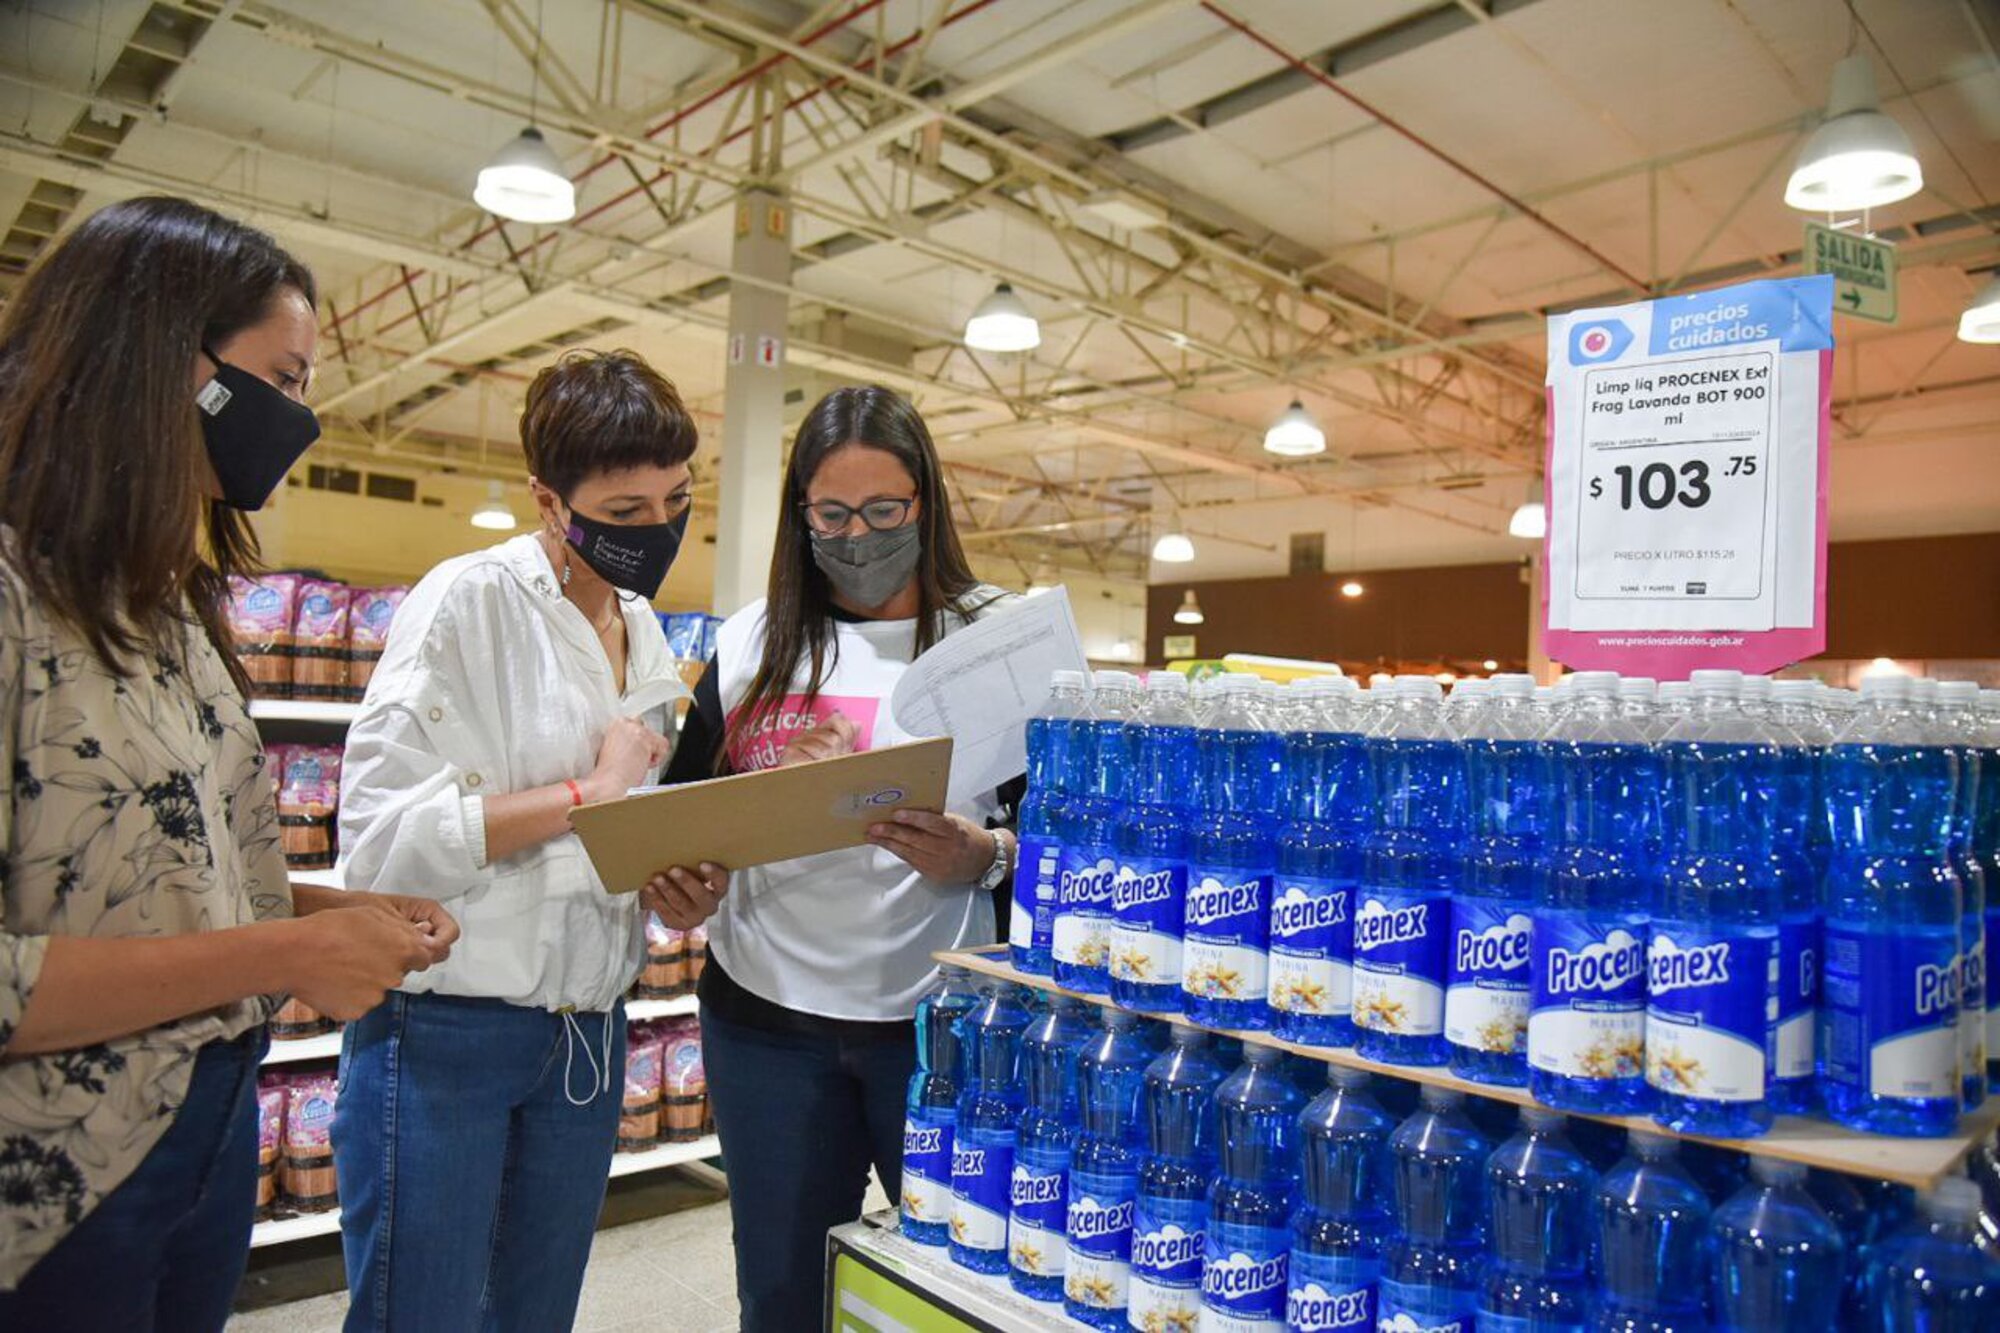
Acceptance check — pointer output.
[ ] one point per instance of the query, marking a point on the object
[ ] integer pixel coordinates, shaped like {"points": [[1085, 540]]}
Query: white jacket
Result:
{"points": [[493, 682]]}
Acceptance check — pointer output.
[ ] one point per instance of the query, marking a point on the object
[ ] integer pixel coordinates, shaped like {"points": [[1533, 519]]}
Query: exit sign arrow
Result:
{"points": [[1863, 270]]}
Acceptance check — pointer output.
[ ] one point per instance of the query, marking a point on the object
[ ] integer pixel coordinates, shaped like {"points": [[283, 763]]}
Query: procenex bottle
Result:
{"points": [[1712, 963], [1538, 1197], [1099, 764], [1170, 1221], [1226, 958], [1327, 808], [989, 1114], [1431, 1273], [1799, 853], [1402, 928], [1933, 1275], [1652, 1242], [1778, 1256], [932, 1109], [1892, 923], [1486, 1004], [1038, 866], [1343, 1217], [1104, 1171], [1956, 716], [1037, 1228], [1246, 1263], [1587, 1026], [1986, 848], [1149, 895]]}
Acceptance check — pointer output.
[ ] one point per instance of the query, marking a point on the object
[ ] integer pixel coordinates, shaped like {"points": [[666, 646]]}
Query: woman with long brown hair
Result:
{"points": [[817, 964], [152, 379]]}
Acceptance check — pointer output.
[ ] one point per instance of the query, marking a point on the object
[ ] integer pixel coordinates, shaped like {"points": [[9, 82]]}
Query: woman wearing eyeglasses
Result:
{"points": [[478, 1109], [816, 964]]}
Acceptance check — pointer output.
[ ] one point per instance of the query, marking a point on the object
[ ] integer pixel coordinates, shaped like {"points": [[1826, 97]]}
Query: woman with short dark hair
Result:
{"points": [[816, 964], [153, 370], [480, 1105]]}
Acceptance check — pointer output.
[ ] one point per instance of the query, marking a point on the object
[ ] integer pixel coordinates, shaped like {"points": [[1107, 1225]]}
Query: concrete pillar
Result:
{"points": [[1539, 665], [753, 403]]}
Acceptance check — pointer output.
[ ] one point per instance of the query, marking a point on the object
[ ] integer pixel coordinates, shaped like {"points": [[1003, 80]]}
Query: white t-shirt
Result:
{"points": [[848, 934]]}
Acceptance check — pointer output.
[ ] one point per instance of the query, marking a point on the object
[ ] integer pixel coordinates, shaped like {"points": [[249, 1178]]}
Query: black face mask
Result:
{"points": [[253, 432], [635, 558]]}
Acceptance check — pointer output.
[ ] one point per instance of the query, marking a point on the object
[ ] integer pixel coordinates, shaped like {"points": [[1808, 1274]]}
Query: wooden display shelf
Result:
{"points": [[303, 710], [1918, 1163]]}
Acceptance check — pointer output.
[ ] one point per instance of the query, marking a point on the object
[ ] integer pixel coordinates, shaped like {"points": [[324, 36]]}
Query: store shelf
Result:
{"points": [[301, 710], [323, 879], [640, 1011], [323, 1047], [1819, 1143], [671, 1154], [302, 1227], [963, 1297]]}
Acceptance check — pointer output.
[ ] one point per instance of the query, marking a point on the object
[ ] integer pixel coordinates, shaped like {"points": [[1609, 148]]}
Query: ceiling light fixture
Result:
{"points": [[1858, 158], [1295, 434], [1490, 665], [1981, 321], [494, 515], [1352, 588], [1174, 548], [1002, 324], [1531, 519], [1189, 611]]}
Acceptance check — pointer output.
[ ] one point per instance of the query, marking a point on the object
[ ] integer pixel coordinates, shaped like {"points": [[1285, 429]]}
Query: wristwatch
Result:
{"points": [[996, 874]]}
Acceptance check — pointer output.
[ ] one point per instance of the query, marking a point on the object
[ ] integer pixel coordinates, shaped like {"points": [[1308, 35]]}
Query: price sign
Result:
{"points": [[1686, 479]]}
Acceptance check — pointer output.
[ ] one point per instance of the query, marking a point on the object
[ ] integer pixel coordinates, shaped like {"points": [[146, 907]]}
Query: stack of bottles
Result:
{"points": [[1118, 1166], [1709, 901]]}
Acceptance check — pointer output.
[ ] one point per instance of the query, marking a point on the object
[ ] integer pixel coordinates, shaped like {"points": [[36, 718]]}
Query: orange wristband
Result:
{"points": [[575, 792]]}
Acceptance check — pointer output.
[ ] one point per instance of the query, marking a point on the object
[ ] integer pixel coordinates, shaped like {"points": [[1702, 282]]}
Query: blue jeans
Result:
{"points": [[470, 1180], [166, 1249], [801, 1118]]}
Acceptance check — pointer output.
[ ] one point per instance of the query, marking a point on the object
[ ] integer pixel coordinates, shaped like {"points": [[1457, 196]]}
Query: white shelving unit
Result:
{"points": [[324, 1047], [303, 710]]}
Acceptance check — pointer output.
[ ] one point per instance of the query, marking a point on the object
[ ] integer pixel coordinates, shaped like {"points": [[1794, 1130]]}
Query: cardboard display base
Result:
{"points": [[879, 1282]]}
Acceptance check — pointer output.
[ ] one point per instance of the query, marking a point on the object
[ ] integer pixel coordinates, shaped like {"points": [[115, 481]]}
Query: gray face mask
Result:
{"points": [[870, 569]]}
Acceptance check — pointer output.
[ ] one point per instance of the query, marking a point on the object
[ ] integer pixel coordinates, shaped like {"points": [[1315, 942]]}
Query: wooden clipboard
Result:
{"points": [[753, 819]]}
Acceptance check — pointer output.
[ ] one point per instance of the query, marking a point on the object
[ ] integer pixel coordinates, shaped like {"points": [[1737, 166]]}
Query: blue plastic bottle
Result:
{"points": [[931, 1112], [1343, 1218], [1842, 1201], [1104, 1171], [1149, 896], [1799, 855], [1712, 963], [1037, 1226], [1985, 724], [1247, 1261], [1431, 1273], [1100, 764], [1955, 728], [1402, 928], [1170, 1222], [989, 1114], [1779, 1258], [1538, 1198], [1226, 958], [1328, 809], [1933, 1275], [1486, 1004], [1587, 1025], [1652, 1243], [1892, 924], [1038, 866]]}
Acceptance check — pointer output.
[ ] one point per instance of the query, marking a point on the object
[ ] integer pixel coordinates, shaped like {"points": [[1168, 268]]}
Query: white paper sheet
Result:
{"points": [[981, 685]]}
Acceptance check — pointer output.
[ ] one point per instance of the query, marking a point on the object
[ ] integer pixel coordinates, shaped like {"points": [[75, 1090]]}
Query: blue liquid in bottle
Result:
{"points": [[1892, 925], [1104, 1171], [1343, 1217], [1099, 765], [1037, 1228], [1778, 1257], [1246, 1264], [1538, 1194], [1587, 1026], [1170, 1223], [1986, 851], [1798, 851], [1149, 896], [1431, 1273], [1486, 1004], [1226, 956], [989, 1113], [1652, 1243], [931, 1113], [1955, 729], [1932, 1274], [1038, 865], [1402, 928], [1327, 808]]}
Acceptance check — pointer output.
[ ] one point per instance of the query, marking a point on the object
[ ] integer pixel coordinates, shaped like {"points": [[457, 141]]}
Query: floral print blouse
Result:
{"points": [[134, 805]]}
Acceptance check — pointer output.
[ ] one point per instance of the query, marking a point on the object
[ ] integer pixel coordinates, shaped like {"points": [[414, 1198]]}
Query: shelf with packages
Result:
{"points": [[303, 1226], [1918, 1163], [880, 1279], [304, 710]]}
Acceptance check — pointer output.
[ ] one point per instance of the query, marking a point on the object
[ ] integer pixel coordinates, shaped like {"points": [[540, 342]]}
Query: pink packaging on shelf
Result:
{"points": [[319, 640], [262, 612], [309, 1175], [367, 632]]}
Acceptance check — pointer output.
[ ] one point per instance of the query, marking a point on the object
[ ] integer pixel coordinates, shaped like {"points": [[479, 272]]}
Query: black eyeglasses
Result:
{"points": [[830, 518]]}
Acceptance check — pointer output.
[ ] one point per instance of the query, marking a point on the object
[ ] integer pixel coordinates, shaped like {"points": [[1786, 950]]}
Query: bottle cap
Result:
{"points": [[1119, 1020], [1715, 684], [1514, 685], [1472, 687], [1263, 1057], [1542, 1119], [1379, 679], [1673, 691], [1958, 693], [1344, 684], [1885, 689], [1923, 690], [1592, 684], [1953, 1199], [1166, 682], [1777, 1171], [1183, 1035], [1754, 688], [1441, 1099], [1071, 680], [1418, 687], [1115, 680], [1796, 691], [1643, 689]]}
